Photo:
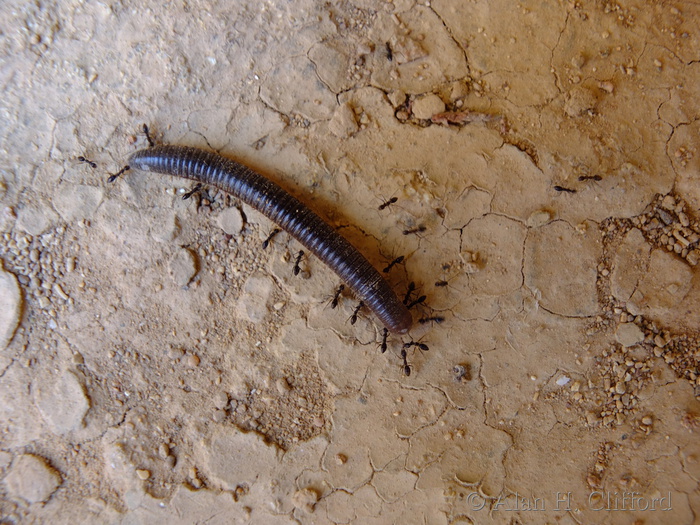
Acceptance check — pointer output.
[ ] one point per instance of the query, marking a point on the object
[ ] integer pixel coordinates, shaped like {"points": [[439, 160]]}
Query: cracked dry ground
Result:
{"points": [[158, 365]]}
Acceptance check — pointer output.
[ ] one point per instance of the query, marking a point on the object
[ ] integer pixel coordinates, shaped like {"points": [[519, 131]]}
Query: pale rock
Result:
{"points": [[62, 402], [183, 267], [231, 221], [77, 202], [10, 306], [31, 479], [343, 123], [428, 105], [629, 334], [35, 220]]}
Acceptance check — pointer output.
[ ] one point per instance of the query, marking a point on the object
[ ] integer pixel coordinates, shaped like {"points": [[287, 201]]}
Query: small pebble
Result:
{"points": [[192, 361], [231, 221], [143, 474], [282, 385], [220, 399], [563, 380], [59, 291], [175, 353], [428, 105], [305, 499], [32, 479]]}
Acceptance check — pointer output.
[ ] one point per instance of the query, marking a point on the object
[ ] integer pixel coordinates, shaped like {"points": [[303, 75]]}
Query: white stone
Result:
{"points": [[427, 106], [31, 479], [183, 267], [231, 221], [10, 303], [629, 334], [62, 402]]}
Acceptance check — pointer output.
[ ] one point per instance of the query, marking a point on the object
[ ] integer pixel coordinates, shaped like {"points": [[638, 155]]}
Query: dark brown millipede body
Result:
{"points": [[290, 214]]}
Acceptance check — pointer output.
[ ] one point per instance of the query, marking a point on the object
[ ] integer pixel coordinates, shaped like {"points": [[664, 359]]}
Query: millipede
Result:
{"points": [[288, 213]]}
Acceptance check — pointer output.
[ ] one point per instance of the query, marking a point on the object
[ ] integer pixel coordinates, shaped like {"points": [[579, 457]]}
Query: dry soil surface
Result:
{"points": [[540, 161]]}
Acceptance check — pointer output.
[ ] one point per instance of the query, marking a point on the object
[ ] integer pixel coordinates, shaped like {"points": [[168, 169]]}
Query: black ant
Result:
{"points": [[385, 335], [148, 136], [406, 368], [404, 354], [388, 203], [418, 344], [353, 319], [596, 178], [421, 299], [562, 188], [409, 292], [112, 178], [336, 297], [393, 263], [266, 242], [437, 319], [419, 229], [297, 269], [389, 54], [92, 164], [194, 190]]}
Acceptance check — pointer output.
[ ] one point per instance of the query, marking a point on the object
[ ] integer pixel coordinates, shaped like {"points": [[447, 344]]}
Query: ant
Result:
{"points": [[266, 242], [409, 292], [393, 263], [437, 319], [336, 297], [404, 354], [419, 229], [353, 319], [92, 164], [406, 368], [421, 299], [148, 136], [562, 188], [388, 203], [418, 344], [194, 190], [385, 335], [441, 284], [112, 178], [596, 178], [297, 269]]}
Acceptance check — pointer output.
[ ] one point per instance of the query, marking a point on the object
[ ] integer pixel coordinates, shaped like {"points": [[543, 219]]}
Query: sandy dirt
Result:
{"points": [[157, 365]]}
